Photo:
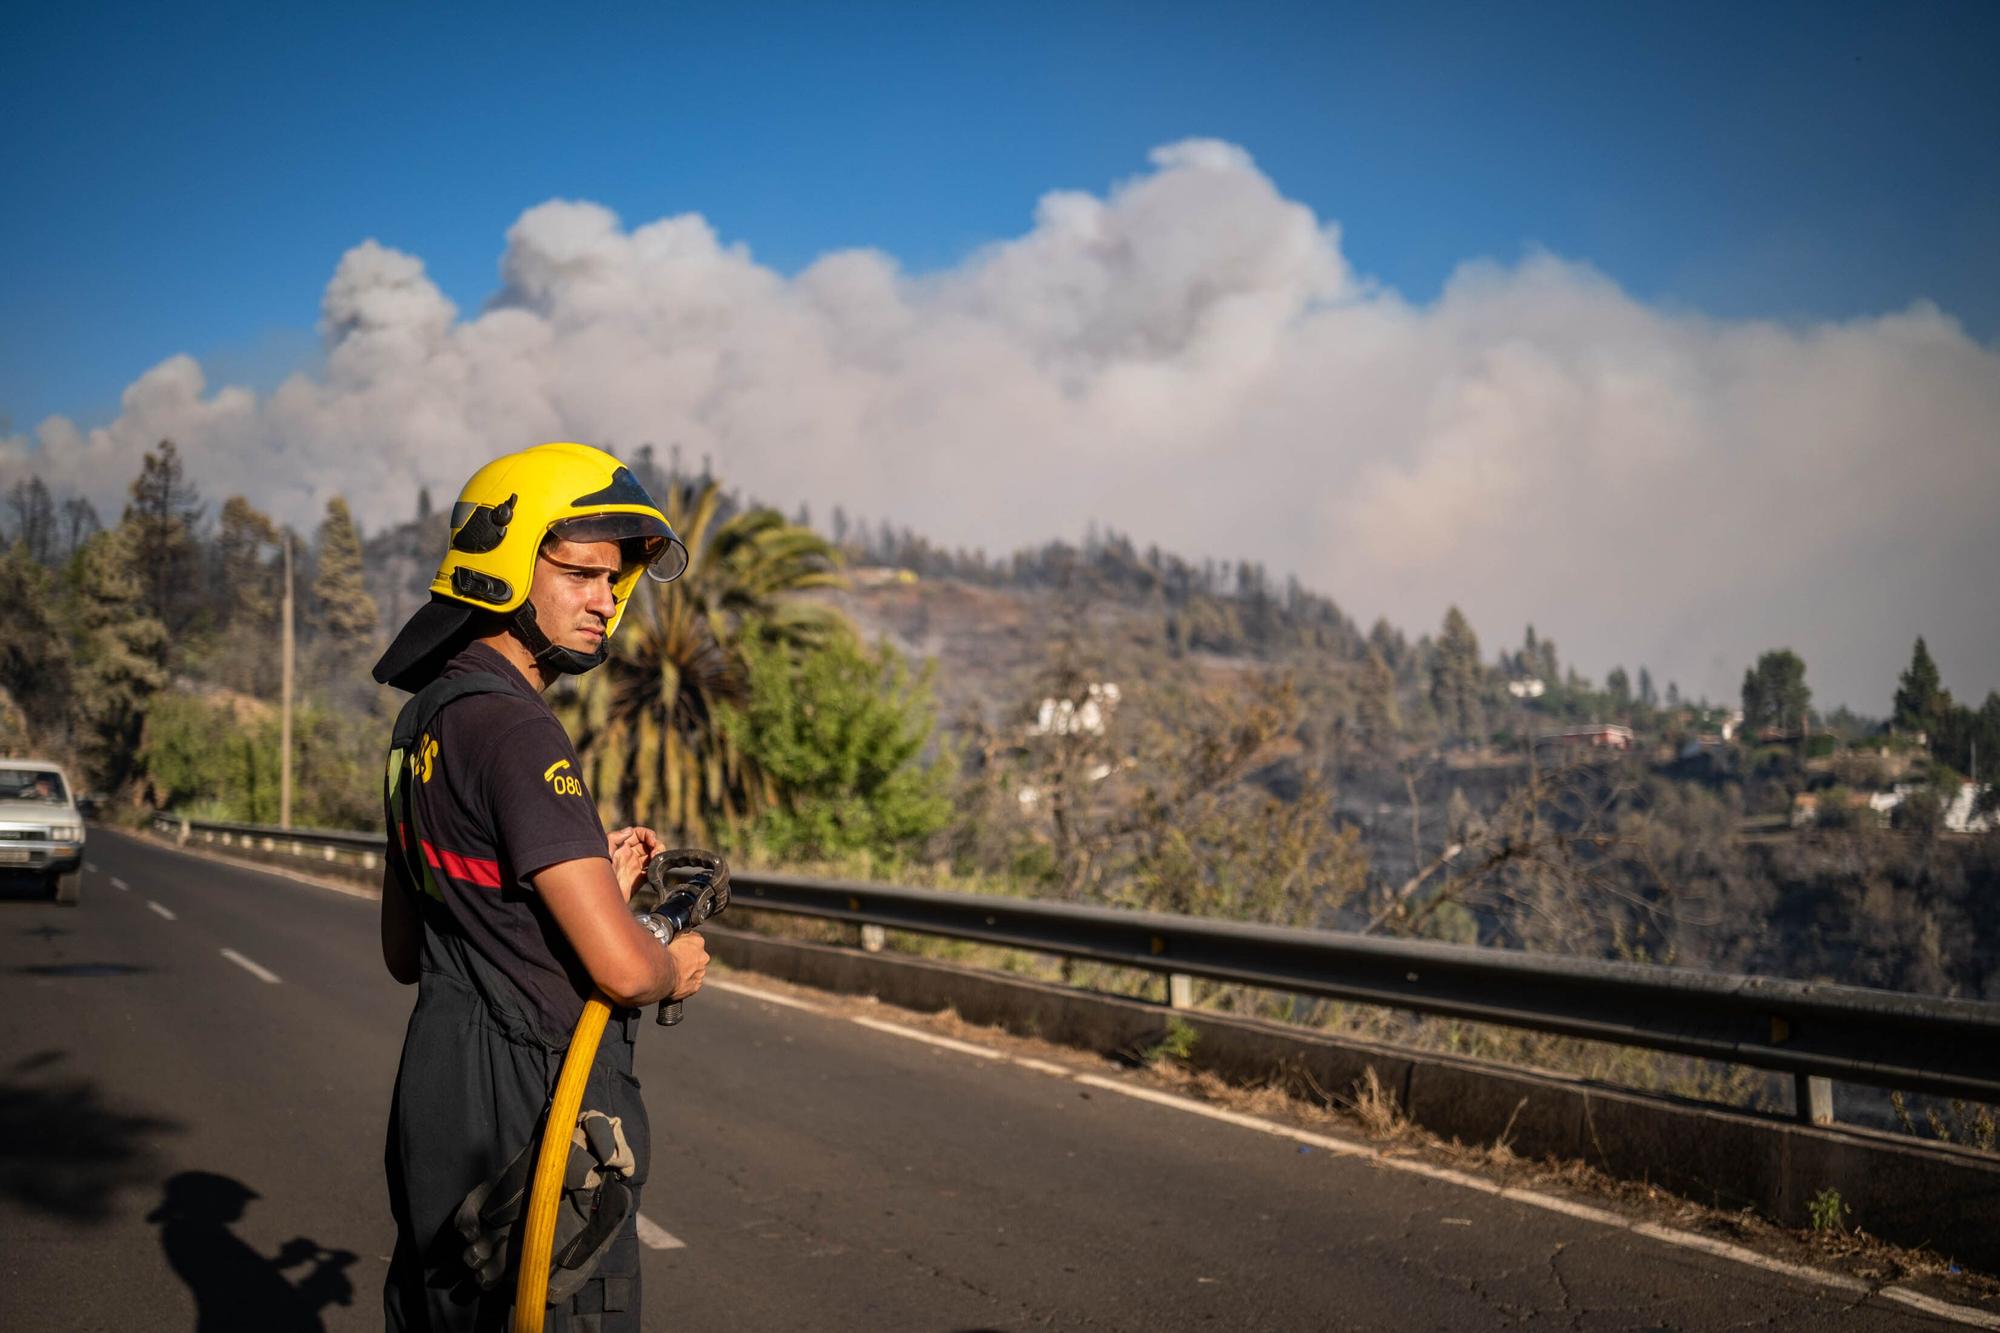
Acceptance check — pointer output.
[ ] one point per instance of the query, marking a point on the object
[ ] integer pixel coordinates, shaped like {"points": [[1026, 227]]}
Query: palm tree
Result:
{"points": [[646, 722]]}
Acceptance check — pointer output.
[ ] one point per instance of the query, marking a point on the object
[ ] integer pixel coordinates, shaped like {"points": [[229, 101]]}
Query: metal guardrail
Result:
{"points": [[369, 847], [1815, 1031]]}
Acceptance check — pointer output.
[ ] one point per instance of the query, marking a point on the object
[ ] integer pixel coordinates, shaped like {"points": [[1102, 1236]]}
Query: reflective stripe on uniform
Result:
{"points": [[472, 869]]}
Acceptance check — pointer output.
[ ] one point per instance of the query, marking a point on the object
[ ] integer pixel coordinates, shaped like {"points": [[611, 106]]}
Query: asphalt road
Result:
{"points": [[809, 1172]]}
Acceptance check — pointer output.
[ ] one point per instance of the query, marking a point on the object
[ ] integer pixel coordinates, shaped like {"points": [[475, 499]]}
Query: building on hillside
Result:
{"points": [[1070, 717], [1961, 812], [1597, 736], [1531, 688]]}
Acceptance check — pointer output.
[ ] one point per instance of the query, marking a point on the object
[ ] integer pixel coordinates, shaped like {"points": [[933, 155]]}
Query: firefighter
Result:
{"points": [[505, 901]]}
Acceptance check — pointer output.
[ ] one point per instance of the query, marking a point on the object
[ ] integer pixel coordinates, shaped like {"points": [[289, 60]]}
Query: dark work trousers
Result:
{"points": [[477, 1073]]}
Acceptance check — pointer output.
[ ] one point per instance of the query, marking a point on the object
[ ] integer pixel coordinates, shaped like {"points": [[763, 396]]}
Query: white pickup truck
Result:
{"points": [[41, 830]]}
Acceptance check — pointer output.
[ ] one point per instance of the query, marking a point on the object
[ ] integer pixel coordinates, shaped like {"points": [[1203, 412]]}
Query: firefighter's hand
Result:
{"points": [[630, 849], [690, 954]]}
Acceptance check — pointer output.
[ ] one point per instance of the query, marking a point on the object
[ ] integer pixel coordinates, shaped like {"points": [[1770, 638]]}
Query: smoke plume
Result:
{"points": [[1192, 359]]}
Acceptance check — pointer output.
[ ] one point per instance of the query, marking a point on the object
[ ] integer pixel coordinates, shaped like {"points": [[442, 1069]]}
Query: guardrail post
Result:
{"points": [[183, 839], [1812, 1099], [1180, 990]]}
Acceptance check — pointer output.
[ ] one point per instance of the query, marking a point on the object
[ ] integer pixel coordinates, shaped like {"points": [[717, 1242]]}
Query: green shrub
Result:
{"points": [[839, 732], [1177, 1042], [1828, 1210]]}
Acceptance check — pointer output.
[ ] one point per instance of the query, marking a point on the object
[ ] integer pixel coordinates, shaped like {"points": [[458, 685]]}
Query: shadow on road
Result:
{"points": [[63, 1148], [16, 887], [234, 1286]]}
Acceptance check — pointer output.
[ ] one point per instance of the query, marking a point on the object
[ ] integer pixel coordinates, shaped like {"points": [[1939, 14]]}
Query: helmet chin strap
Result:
{"points": [[551, 658]]}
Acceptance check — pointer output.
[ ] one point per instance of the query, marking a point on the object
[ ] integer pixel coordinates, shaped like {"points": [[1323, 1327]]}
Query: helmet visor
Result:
{"points": [[643, 541]]}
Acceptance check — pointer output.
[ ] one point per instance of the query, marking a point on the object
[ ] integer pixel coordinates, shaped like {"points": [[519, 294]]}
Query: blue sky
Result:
{"points": [[185, 179]]}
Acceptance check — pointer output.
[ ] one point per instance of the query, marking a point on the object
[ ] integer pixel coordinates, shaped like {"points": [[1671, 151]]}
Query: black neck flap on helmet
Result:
{"points": [[551, 658]]}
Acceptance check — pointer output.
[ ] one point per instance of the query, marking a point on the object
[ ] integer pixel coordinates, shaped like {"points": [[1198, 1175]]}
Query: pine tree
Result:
{"points": [[34, 656], [119, 656], [1619, 686], [1546, 666], [246, 582], [1455, 679], [1388, 643], [34, 519], [160, 525], [79, 524], [1375, 714], [342, 609], [1648, 697], [1921, 702]]}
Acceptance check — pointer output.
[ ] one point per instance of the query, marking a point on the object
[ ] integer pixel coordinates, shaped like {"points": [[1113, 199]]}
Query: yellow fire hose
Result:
{"points": [[704, 896], [531, 1284]]}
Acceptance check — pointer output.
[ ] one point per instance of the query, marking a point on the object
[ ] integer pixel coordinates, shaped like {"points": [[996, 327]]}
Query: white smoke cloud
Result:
{"points": [[1189, 358]]}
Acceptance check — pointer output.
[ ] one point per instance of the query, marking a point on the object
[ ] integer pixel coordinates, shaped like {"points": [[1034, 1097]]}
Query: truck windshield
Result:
{"points": [[32, 784]]}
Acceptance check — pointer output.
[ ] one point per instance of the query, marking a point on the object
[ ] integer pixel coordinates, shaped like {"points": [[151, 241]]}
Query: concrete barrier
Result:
{"points": [[1909, 1191]]}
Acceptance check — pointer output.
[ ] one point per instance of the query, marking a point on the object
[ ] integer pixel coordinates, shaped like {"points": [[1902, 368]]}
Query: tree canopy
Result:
{"points": [[1775, 696]]}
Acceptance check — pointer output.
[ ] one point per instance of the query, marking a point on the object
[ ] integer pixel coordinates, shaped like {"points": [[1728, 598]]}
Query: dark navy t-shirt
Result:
{"points": [[498, 799]]}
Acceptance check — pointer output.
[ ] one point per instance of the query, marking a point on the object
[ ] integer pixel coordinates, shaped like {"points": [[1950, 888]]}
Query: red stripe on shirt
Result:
{"points": [[484, 873]]}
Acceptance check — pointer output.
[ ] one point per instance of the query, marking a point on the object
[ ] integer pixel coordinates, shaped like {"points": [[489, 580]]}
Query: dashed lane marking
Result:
{"points": [[119, 884], [166, 912], [656, 1237], [91, 866], [256, 970]]}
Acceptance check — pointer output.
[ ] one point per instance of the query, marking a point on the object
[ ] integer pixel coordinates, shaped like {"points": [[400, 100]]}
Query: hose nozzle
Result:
{"points": [[682, 903]]}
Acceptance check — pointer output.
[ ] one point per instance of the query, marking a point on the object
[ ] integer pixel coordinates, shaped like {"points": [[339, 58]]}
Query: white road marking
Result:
{"points": [[119, 884], [163, 911], [1554, 1204], [1325, 1142], [1840, 1282], [1722, 1249], [91, 866], [752, 992], [1443, 1173], [1931, 1305], [256, 970], [929, 1038], [656, 1237]]}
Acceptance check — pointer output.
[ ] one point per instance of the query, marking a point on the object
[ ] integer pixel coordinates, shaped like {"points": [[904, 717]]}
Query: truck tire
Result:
{"points": [[68, 887]]}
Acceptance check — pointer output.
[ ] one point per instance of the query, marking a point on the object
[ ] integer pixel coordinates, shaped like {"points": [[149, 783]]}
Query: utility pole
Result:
{"points": [[285, 708]]}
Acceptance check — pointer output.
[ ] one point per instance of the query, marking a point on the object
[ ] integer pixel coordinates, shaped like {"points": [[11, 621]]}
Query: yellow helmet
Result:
{"points": [[502, 517]]}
